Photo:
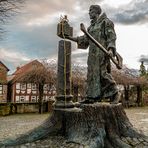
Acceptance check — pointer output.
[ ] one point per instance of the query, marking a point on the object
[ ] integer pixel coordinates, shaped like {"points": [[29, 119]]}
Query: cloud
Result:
{"points": [[37, 8], [13, 56], [86, 4], [36, 41], [33, 33], [80, 57], [39, 12], [135, 12]]}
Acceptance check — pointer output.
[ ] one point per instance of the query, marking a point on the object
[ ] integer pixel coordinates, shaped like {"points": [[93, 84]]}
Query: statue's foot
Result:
{"points": [[91, 100], [87, 101], [115, 99]]}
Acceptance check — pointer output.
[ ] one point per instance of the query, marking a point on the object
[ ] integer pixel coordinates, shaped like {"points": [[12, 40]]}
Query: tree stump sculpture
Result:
{"points": [[99, 125]]}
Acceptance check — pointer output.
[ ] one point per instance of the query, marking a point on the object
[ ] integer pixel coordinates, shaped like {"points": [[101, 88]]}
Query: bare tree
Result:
{"points": [[40, 76], [8, 8], [78, 81]]}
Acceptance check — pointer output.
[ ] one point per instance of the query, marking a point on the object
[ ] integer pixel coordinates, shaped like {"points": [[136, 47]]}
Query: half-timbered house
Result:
{"points": [[3, 82], [28, 92]]}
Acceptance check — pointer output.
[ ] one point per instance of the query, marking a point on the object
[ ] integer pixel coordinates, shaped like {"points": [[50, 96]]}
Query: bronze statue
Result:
{"points": [[100, 83]]}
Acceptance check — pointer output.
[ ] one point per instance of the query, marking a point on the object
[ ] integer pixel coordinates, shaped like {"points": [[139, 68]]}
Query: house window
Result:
{"points": [[17, 85], [33, 86], [22, 98], [1, 89], [29, 85], [44, 98], [23, 86], [53, 88], [48, 97], [33, 98], [17, 99], [46, 87]]}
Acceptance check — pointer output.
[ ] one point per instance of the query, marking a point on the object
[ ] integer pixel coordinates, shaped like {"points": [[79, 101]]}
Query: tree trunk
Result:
{"points": [[139, 95], [126, 89], [41, 91], [126, 96], [99, 125]]}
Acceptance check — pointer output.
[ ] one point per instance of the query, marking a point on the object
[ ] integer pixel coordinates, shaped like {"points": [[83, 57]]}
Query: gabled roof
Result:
{"points": [[4, 65], [25, 69]]}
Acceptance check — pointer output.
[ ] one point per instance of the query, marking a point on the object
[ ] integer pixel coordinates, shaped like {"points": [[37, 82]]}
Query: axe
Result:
{"points": [[117, 60]]}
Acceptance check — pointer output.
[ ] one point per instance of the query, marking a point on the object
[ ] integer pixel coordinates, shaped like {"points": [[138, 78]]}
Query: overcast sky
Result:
{"points": [[32, 34]]}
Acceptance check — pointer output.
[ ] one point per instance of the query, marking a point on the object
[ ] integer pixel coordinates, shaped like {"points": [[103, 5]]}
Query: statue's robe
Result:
{"points": [[100, 83]]}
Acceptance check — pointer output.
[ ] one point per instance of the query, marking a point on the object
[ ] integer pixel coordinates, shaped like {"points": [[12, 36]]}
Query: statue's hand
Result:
{"points": [[110, 52], [67, 37], [63, 36], [75, 39]]}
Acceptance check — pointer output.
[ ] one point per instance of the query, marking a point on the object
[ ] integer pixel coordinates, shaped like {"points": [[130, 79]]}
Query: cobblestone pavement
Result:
{"points": [[14, 125], [139, 118]]}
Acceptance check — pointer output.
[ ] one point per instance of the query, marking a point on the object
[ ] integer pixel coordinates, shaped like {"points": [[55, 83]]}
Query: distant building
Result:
{"points": [[3, 82], [28, 92]]}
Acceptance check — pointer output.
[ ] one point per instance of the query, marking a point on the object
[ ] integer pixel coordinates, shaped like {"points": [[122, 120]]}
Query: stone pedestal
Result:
{"points": [[64, 97]]}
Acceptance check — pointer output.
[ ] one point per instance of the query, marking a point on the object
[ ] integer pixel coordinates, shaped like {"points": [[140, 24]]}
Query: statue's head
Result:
{"points": [[96, 8], [94, 11]]}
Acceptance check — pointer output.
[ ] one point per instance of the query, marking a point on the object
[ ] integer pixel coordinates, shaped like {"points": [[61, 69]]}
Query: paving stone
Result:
{"points": [[27, 144], [23, 146], [140, 139], [145, 143], [129, 140], [32, 144], [124, 139], [135, 141], [146, 139]]}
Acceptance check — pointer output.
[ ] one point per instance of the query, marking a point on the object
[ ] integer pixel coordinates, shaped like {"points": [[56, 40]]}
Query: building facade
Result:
{"points": [[29, 92], [3, 82]]}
